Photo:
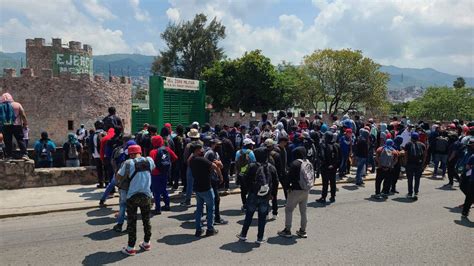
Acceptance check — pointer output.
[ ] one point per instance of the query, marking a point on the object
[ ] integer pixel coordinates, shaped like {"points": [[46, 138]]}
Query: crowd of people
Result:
{"points": [[288, 152]]}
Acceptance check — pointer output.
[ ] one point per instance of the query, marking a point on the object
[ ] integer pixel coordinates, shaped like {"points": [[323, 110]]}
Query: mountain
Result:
{"points": [[139, 68]]}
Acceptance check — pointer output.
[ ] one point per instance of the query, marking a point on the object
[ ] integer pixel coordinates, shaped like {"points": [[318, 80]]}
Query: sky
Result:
{"points": [[435, 34]]}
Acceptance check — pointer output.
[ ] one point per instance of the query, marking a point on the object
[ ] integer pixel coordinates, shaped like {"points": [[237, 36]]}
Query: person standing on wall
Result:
{"points": [[12, 121], [112, 120]]}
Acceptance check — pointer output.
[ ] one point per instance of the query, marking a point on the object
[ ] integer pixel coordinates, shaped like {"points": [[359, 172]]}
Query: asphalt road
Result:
{"points": [[354, 230]]}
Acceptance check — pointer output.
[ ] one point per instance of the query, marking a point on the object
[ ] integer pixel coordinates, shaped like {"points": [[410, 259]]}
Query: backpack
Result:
{"points": [[386, 159], [416, 157], [262, 180], [140, 166], [7, 114], [44, 154], [72, 152], [110, 122], [306, 181], [163, 160], [117, 158], [243, 161], [441, 145], [331, 155], [304, 124]]}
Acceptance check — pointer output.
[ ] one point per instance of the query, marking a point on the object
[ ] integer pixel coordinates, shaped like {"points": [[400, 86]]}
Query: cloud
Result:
{"points": [[173, 14], [59, 19], [139, 14], [146, 48], [98, 11]]}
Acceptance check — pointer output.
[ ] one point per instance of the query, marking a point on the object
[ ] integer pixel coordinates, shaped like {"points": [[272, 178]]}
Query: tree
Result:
{"points": [[191, 47], [443, 103], [249, 83], [346, 80], [459, 83]]}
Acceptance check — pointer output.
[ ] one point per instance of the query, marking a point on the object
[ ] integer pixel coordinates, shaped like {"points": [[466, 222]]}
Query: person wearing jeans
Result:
{"points": [[362, 153], [259, 205], [201, 198]]}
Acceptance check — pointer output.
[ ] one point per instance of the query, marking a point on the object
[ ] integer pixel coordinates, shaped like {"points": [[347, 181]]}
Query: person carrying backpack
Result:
{"points": [[113, 121], [362, 154], [243, 158], [386, 159], [194, 136], [163, 157], [440, 153], [12, 122], [416, 155], [43, 151], [94, 143], [72, 151], [180, 169], [330, 161], [259, 179], [228, 152], [138, 196], [300, 181]]}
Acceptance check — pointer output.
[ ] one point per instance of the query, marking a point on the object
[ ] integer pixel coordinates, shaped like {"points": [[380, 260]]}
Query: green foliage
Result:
{"points": [[459, 83], [443, 103], [344, 80], [250, 83], [399, 108], [191, 47]]}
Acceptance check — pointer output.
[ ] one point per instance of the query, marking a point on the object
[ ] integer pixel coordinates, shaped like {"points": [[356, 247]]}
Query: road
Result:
{"points": [[354, 230]]}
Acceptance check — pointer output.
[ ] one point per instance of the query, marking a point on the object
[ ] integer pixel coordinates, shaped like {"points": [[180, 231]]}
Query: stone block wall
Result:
{"points": [[15, 174]]}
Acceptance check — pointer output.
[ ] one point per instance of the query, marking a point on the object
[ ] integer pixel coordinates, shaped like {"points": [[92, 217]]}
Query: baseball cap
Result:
{"points": [[134, 149], [248, 141], [268, 142]]}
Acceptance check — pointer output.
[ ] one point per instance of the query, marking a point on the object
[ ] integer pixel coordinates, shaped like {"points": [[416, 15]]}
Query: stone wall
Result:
{"points": [[51, 102], [16, 174], [226, 118]]}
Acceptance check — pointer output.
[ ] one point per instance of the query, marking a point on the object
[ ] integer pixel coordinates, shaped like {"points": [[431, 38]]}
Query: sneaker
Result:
{"points": [[102, 203], [409, 195], [157, 212], [100, 186], [221, 222], [449, 185], [464, 214], [212, 232], [198, 233], [145, 246], [129, 252], [241, 237], [118, 228], [166, 209], [416, 196], [261, 241], [332, 199], [321, 200], [377, 196], [285, 233], [301, 234], [383, 195]]}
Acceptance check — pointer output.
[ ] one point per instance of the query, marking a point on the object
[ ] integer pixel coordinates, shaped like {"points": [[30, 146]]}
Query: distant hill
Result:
{"points": [[139, 67]]}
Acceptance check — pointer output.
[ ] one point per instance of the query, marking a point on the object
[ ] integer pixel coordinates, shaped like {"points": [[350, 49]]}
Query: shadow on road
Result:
{"points": [[278, 240], [183, 217], [315, 191], [232, 212], [104, 234], [179, 239], [446, 188], [404, 200], [239, 247], [100, 212], [376, 200], [254, 222], [188, 225], [454, 209], [82, 190], [101, 221], [101, 258], [178, 208], [315, 204], [350, 187], [464, 222]]}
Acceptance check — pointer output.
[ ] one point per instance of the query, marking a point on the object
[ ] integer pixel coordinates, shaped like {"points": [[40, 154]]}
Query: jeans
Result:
{"points": [[296, 198], [143, 202], [110, 187], [328, 177], [385, 176], [158, 187], [243, 194], [259, 204], [189, 184], [344, 165], [10, 131], [73, 163], [208, 198], [122, 206], [361, 162], [414, 172], [437, 158]]}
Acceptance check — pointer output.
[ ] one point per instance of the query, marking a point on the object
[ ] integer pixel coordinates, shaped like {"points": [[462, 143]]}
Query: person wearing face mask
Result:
{"points": [[386, 159], [416, 155], [330, 158], [468, 177]]}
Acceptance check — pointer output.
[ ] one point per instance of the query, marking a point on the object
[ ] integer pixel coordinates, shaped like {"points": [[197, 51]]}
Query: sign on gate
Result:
{"points": [[181, 84]]}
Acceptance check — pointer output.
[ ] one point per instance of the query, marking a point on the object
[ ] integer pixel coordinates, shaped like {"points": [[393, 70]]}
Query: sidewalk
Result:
{"points": [[34, 201]]}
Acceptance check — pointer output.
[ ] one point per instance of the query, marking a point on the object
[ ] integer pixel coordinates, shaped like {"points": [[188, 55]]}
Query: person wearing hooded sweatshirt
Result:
{"points": [[43, 151], [386, 159], [346, 141], [106, 159], [72, 151], [296, 195], [362, 154], [12, 122], [280, 131], [416, 155], [330, 160], [398, 166], [158, 179], [258, 197]]}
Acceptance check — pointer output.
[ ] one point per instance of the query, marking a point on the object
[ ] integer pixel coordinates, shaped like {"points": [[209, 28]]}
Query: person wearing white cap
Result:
{"points": [[243, 158]]}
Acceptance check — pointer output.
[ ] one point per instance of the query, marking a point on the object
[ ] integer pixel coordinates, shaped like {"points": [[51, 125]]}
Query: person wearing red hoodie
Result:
{"points": [[105, 155], [164, 156]]}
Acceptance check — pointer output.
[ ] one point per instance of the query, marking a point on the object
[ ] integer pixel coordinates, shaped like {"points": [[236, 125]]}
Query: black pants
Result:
{"points": [[328, 177], [274, 193], [217, 202], [385, 176], [10, 131], [452, 171], [394, 176], [109, 170], [100, 170], [469, 197], [182, 175], [143, 202], [225, 174], [414, 172], [243, 193]]}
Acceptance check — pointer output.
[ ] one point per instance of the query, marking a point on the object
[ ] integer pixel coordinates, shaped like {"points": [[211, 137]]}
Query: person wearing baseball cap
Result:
{"points": [[137, 170], [416, 155], [243, 158]]}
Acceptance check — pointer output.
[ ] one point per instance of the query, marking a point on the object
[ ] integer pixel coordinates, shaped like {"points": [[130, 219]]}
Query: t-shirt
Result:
{"points": [[66, 147], [39, 147], [201, 169], [141, 182]]}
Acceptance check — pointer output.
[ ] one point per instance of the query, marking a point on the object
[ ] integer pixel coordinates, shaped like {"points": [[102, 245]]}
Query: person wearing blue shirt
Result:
{"points": [[468, 179], [44, 149]]}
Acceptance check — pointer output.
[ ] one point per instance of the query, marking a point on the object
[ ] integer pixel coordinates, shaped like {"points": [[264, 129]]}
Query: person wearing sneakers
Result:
{"points": [[386, 158], [259, 179], [163, 156], [243, 158], [415, 156], [138, 196], [194, 136], [297, 195]]}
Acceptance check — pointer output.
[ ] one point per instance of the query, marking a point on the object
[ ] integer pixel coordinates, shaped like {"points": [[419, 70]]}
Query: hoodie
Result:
{"points": [[262, 157], [295, 167], [158, 142], [104, 140]]}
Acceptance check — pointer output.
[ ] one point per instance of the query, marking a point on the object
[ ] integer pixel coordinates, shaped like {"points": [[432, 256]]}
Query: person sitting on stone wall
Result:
{"points": [[44, 148], [72, 151]]}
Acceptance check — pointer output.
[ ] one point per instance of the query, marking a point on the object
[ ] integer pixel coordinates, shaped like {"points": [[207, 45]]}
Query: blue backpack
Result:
{"points": [[7, 114], [163, 160]]}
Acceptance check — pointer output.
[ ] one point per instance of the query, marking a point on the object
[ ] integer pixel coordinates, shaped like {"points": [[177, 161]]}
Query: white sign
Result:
{"points": [[181, 84]]}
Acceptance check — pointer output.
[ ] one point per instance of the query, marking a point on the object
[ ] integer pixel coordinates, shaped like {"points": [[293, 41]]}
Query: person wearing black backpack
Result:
{"points": [[112, 120], [330, 161], [72, 151], [180, 169], [259, 179], [440, 153], [416, 155], [43, 151], [163, 157]]}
